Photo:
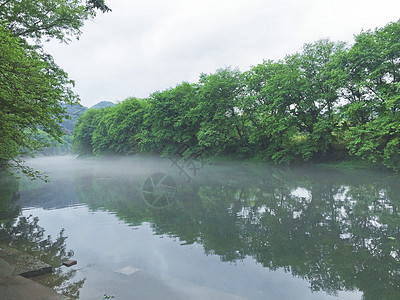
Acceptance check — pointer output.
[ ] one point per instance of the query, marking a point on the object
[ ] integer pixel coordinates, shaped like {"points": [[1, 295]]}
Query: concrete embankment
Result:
{"points": [[15, 268]]}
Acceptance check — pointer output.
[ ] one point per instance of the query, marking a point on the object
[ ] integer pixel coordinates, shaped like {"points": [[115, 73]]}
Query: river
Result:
{"points": [[143, 228]]}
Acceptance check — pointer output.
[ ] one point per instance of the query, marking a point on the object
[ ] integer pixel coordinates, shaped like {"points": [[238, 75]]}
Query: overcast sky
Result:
{"points": [[150, 45]]}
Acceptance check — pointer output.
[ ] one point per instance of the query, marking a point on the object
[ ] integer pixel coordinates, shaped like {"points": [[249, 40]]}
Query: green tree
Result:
{"points": [[291, 103], [268, 104], [31, 89], [118, 128], [372, 92], [218, 111], [169, 122], [58, 19], [325, 102], [32, 86], [320, 65], [83, 132]]}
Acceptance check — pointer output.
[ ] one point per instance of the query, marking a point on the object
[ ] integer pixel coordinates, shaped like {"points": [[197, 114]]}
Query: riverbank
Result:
{"points": [[15, 266]]}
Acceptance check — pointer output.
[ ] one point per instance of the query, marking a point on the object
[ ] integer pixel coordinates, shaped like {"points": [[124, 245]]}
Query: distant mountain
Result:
{"points": [[103, 104], [74, 111]]}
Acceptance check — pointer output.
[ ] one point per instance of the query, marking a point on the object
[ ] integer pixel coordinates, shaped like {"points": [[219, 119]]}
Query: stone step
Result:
{"points": [[15, 287], [23, 264]]}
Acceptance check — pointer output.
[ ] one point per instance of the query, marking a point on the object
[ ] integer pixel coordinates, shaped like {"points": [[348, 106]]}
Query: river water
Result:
{"points": [[144, 228]]}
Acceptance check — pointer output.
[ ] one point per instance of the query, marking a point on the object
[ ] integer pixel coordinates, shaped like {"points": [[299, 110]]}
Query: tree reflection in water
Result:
{"points": [[26, 235], [338, 230]]}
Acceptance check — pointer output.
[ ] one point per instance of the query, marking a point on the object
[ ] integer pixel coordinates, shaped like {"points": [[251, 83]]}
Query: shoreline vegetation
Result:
{"points": [[34, 90], [330, 104]]}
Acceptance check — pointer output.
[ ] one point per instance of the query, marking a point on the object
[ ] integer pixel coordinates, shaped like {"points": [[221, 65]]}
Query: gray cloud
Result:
{"points": [[145, 46]]}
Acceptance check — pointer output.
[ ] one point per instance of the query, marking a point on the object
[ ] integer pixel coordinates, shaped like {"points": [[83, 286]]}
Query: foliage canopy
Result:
{"points": [[32, 87], [327, 102]]}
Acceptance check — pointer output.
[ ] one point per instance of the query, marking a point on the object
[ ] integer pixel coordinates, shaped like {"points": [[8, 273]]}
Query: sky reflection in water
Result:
{"points": [[232, 232]]}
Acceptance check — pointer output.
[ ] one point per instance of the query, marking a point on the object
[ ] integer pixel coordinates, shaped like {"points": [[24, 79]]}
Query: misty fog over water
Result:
{"points": [[147, 228]]}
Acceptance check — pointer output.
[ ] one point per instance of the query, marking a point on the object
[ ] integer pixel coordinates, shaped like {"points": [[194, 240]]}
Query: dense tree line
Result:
{"points": [[32, 86], [330, 100]]}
